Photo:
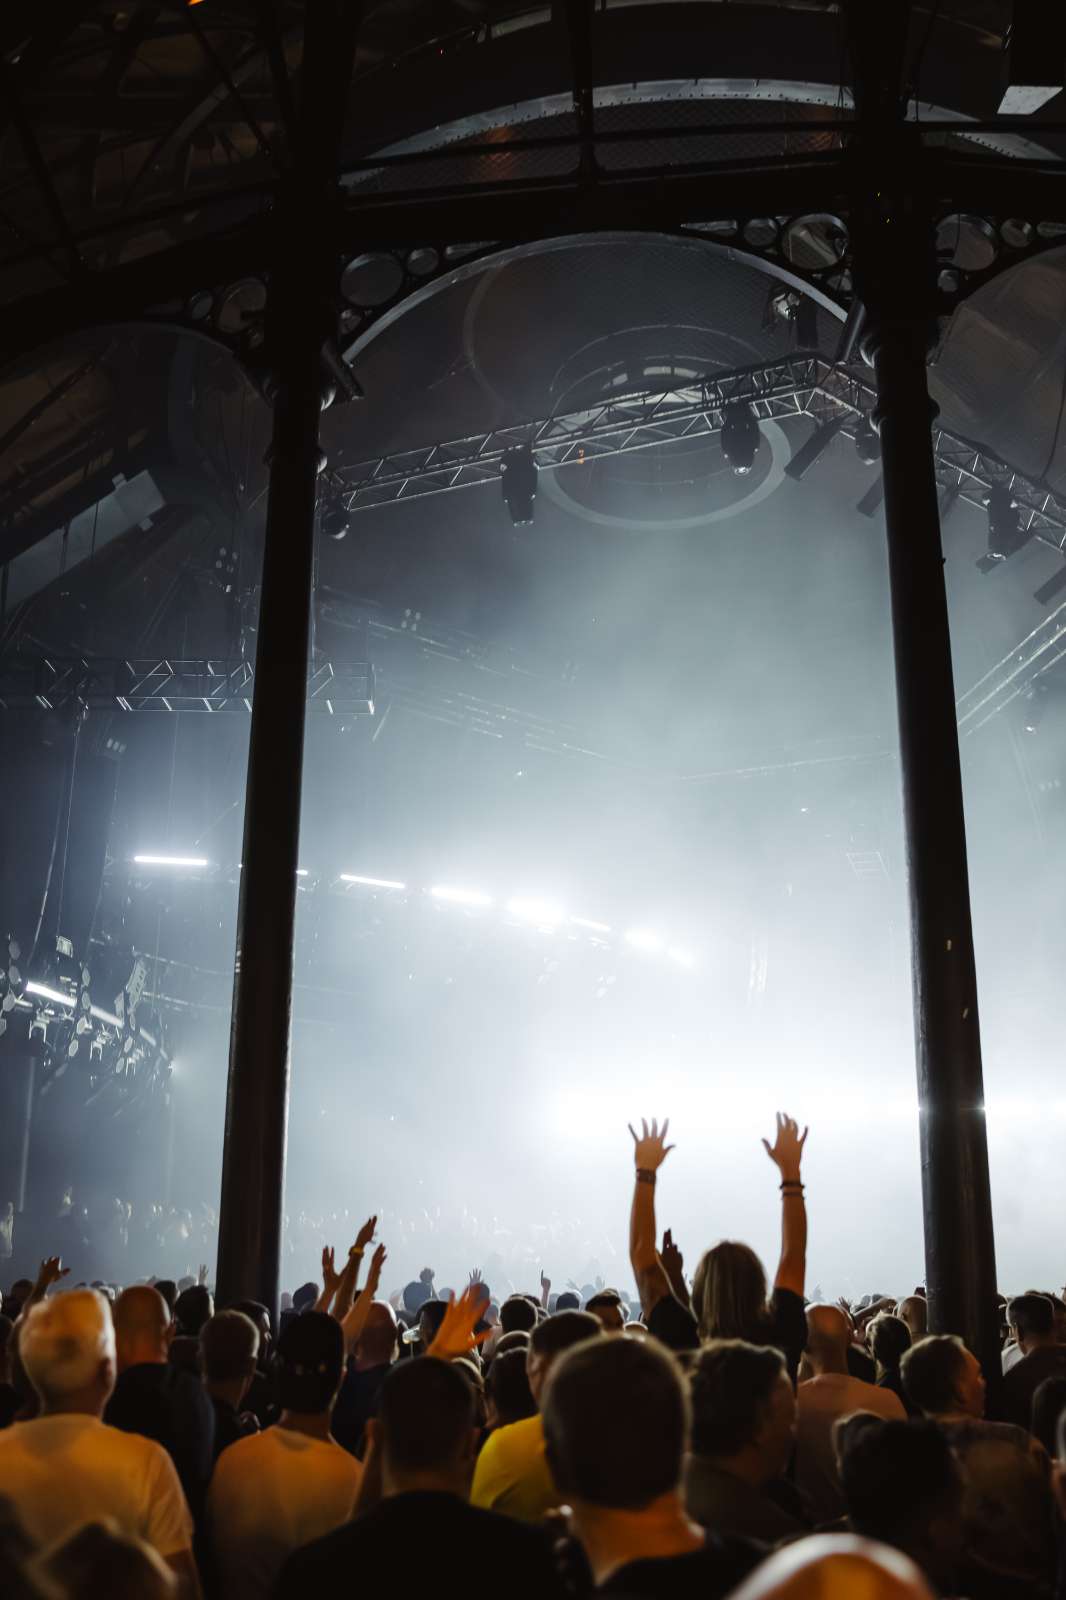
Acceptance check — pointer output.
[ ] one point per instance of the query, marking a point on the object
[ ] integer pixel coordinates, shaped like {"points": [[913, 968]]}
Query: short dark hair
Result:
{"points": [[1049, 1406], [430, 1317], [310, 1362], [508, 1387], [605, 1297], [932, 1372], [305, 1297], [426, 1412], [897, 1476], [517, 1313], [415, 1295], [518, 1340], [1032, 1315], [730, 1382], [563, 1332], [616, 1422], [890, 1338], [192, 1309], [229, 1342], [568, 1301], [168, 1289]]}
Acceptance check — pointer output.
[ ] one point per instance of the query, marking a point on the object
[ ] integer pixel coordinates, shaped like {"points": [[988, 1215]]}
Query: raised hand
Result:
{"points": [[787, 1151], [365, 1234], [650, 1149], [475, 1275], [330, 1276], [201, 1276], [671, 1256], [456, 1336], [377, 1261], [545, 1283], [50, 1272]]}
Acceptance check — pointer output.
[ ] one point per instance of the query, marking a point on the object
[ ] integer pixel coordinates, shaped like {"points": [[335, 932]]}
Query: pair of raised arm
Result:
{"points": [[338, 1288], [659, 1273]]}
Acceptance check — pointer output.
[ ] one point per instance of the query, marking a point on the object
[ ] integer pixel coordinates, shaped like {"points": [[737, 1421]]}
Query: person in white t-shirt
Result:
{"points": [[277, 1490], [829, 1394], [67, 1467]]}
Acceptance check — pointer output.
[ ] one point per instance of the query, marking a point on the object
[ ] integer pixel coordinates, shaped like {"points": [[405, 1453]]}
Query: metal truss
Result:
{"points": [[793, 386], [53, 683]]}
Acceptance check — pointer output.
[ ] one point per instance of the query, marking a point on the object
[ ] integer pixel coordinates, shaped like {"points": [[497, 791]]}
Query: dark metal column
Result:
{"points": [[895, 270], [300, 319]]}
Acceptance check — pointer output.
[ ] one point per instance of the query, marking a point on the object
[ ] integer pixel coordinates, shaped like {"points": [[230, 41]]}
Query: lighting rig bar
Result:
{"points": [[799, 385], [156, 684]]}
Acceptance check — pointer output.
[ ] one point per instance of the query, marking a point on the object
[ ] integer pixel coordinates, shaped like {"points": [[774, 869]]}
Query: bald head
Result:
{"points": [[915, 1313], [828, 1336], [836, 1567], [376, 1345], [142, 1326]]}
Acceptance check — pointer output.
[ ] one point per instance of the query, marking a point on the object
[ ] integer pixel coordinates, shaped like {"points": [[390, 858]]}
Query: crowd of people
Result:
{"points": [[709, 1435]]}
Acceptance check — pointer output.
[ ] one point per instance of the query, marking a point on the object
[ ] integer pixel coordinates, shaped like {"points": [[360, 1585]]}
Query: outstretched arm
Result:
{"points": [[350, 1276], [787, 1154], [355, 1321], [51, 1272], [650, 1150], [330, 1280]]}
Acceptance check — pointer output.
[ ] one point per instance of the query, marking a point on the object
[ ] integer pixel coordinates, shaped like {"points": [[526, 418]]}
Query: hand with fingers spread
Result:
{"points": [[373, 1277], [787, 1150], [201, 1276], [456, 1336], [50, 1272], [650, 1149], [330, 1276]]}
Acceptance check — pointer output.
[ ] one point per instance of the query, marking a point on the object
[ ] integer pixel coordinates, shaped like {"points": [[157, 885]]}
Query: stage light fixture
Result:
{"points": [[335, 522], [544, 912], [518, 478], [740, 437], [593, 927], [170, 861], [808, 453], [43, 992], [644, 939], [1006, 536], [867, 442], [371, 883], [460, 897]]}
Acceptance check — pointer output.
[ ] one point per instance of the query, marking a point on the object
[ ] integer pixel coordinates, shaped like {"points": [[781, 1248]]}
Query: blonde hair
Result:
{"points": [[63, 1341], [729, 1292]]}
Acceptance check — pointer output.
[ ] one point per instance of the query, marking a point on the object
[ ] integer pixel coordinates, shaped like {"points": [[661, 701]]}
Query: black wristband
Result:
{"points": [[645, 1175], [792, 1185]]}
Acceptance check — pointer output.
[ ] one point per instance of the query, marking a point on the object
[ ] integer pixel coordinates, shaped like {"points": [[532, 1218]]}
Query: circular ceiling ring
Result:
{"points": [[780, 454]]}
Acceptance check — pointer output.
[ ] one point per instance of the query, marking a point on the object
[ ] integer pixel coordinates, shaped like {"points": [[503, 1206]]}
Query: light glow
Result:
{"points": [[372, 883], [170, 861], [594, 927], [684, 958], [644, 939], [460, 897], [543, 912], [54, 995]]}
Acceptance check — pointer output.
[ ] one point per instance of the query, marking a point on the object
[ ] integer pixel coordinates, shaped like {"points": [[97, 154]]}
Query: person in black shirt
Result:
{"points": [[1031, 1318], [156, 1399], [729, 1299], [616, 1427], [422, 1447], [375, 1351], [229, 1344], [890, 1339]]}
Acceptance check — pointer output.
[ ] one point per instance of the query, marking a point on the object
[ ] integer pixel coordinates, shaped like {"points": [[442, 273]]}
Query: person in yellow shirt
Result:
{"points": [[512, 1475]]}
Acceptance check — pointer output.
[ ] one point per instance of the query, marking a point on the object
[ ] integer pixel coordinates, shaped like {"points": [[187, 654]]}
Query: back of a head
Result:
{"points": [[1032, 1316], [729, 1292], [897, 1476], [101, 1560], [730, 1383], [142, 1318], [562, 1332], [835, 1566], [169, 1290], [1049, 1405], [569, 1300], [377, 1342], [63, 1343], [828, 1335], [517, 1314], [415, 1295], [192, 1309], [914, 1311], [229, 1344], [508, 1387], [430, 1318], [426, 1414], [310, 1362], [518, 1340], [305, 1297], [890, 1337], [932, 1371], [616, 1422]]}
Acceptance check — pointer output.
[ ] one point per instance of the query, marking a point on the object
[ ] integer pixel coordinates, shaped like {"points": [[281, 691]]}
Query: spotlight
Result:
{"points": [[808, 453], [594, 927], [372, 883], [740, 436], [335, 522], [518, 476], [54, 995], [867, 443], [170, 861], [1006, 536]]}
